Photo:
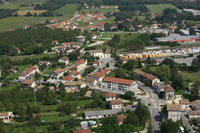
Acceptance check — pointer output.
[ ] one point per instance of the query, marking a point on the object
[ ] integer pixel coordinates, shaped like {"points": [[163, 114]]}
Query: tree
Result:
{"points": [[130, 64], [128, 95], [169, 126], [2, 127], [192, 31], [68, 108], [29, 112], [133, 119], [110, 120], [163, 72]]}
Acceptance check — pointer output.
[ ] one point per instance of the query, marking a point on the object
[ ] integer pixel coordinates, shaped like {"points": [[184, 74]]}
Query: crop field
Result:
{"points": [[158, 8], [24, 12], [68, 10], [101, 10]]}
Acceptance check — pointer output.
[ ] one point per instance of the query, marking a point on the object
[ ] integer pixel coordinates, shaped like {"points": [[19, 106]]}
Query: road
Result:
{"points": [[186, 123], [155, 109]]}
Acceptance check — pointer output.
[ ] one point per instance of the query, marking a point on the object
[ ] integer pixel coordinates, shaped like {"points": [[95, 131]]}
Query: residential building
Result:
{"points": [[96, 63], [193, 114], [195, 105], [93, 36], [98, 76], [110, 96], [168, 92], [97, 114], [75, 74], [119, 84], [28, 83], [74, 85], [100, 54], [82, 131], [90, 82], [29, 72], [80, 38], [58, 73], [6, 117], [116, 104], [67, 78], [146, 78], [81, 65], [64, 59], [121, 119], [174, 111]]}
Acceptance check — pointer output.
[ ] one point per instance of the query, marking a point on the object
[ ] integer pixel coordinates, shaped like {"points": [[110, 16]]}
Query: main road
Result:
{"points": [[154, 103]]}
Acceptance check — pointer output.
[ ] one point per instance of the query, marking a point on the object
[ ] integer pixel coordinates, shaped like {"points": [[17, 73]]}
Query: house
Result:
{"points": [[168, 92], [28, 83], [75, 74], [80, 38], [193, 114], [82, 131], [93, 36], [6, 117], [46, 63], [121, 119], [90, 82], [81, 65], [97, 114], [64, 59], [195, 105], [98, 76], [123, 60], [174, 111], [55, 42], [100, 54], [57, 74], [67, 78], [116, 104], [119, 84], [110, 96], [29, 72], [96, 63], [18, 50], [74, 85], [146, 78]]}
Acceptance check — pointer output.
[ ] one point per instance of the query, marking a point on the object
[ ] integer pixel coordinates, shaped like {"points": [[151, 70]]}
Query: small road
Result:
{"points": [[186, 123]]}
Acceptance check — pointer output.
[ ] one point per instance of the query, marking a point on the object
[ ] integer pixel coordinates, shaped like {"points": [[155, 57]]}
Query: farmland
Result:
{"points": [[101, 10], [68, 10], [24, 12], [158, 8]]}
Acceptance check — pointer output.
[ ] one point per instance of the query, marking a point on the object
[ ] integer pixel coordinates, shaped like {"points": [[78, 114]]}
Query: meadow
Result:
{"points": [[158, 8], [24, 12], [101, 10], [68, 10]]}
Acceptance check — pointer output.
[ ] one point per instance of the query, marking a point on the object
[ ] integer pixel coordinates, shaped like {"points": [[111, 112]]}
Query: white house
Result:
{"points": [[29, 72], [100, 54], [80, 38], [6, 117], [81, 65], [57, 74], [119, 84], [64, 59], [110, 96], [174, 111], [116, 104]]}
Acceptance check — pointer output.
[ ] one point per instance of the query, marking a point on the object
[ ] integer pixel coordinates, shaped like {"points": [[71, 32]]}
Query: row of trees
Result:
{"points": [[4, 13]]}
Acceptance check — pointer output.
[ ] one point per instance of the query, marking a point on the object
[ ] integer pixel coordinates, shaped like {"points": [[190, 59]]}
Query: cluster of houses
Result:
{"points": [[90, 16], [160, 53]]}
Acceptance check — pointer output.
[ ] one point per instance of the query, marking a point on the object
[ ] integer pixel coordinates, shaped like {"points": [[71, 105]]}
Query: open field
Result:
{"points": [[9, 6], [193, 22], [29, 2], [191, 76], [141, 18], [101, 10], [68, 10], [54, 117], [158, 8], [19, 22], [24, 12]]}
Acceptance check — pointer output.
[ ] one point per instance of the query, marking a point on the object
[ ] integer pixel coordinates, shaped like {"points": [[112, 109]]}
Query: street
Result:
{"points": [[154, 102]]}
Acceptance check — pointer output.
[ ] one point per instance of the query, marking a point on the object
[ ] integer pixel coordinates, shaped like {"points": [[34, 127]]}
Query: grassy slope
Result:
{"points": [[191, 76], [68, 10], [158, 8], [99, 10]]}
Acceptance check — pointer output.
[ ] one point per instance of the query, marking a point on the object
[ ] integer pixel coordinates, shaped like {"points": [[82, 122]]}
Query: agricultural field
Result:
{"points": [[191, 76], [101, 10], [68, 10], [158, 8], [29, 2], [24, 12], [9, 6]]}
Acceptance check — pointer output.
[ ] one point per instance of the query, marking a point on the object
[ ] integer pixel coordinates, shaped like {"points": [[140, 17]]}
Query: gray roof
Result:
{"points": [[177, 37], [102, 112]]}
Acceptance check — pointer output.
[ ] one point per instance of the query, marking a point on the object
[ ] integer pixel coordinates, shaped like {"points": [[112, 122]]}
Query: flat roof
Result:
{"points": [[102, 112]]}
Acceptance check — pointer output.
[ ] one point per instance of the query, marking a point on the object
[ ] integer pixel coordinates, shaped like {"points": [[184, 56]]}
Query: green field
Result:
{"points": [[10, 87], [9, 6], [141, 18], [191, 76], [158, 8], [93, 10], [193, 22], [29, 2], [68, 10]]}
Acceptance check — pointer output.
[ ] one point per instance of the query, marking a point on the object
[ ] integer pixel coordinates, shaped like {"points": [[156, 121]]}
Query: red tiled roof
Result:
{"points": [[82, 61], [69, 78], [4, 114], [118, 80], [28, 82], [100, 73], [168, 89], [59, 70], [65, 58], [116, 102], [82, 131], [121, 118], [28, 70], [110, 94]]}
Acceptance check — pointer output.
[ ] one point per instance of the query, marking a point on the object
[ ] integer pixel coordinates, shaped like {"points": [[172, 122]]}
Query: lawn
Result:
{"points": [[49, 70], [94, 10], [141, 18], [29, 2], [54, 117], [191, 76], [193, 22], [16, 58], [15, 75], [68, 10], [158, 8]]}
